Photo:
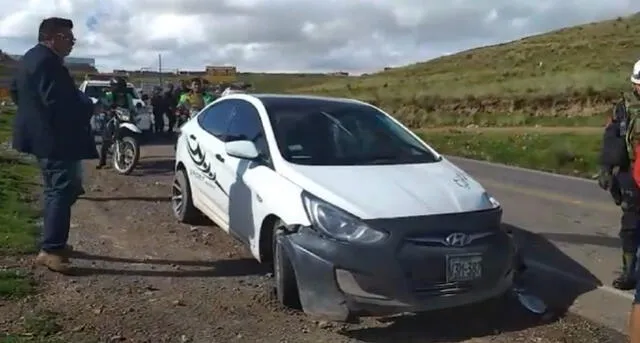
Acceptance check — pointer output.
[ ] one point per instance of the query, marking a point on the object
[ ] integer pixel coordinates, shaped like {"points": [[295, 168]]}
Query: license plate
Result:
{"points": [[464, 267]]}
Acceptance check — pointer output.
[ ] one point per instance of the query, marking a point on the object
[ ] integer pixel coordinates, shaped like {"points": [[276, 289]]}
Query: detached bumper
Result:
{"points": [[336, 279]]}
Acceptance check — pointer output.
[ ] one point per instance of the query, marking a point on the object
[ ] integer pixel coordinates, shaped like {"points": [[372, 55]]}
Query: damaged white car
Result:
{"points": [[357, 215]]}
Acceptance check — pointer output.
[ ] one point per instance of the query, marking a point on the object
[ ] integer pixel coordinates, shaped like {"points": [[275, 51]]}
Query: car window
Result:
{"points": [[95, 91], [334, 133], [246, 125], [215, 118], [98, 91]]}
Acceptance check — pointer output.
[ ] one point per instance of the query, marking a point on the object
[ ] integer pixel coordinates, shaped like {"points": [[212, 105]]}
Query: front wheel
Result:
{"points": [[286, 286], [126, 155]]}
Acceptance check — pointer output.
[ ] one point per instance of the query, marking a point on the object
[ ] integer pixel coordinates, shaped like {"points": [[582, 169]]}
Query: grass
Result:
{"points": [[571, 74], [17, 215], [564, 153], [15, 284], [38, 327]]}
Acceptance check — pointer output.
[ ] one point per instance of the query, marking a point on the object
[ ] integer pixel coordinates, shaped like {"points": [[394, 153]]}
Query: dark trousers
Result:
{"points": [[104, 149], [158, 121], [61, 188], [171, 115], [629, 203]]}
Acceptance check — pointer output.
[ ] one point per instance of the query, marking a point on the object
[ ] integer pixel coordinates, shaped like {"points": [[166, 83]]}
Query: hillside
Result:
{"points": [[562, 77], [273, 82]]}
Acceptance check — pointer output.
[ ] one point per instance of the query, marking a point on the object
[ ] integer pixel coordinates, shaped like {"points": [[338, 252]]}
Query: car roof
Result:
{"points": [[269, 100]]}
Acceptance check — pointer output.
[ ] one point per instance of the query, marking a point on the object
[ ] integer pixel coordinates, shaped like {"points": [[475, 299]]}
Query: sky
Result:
{"points": [[291, 35]]}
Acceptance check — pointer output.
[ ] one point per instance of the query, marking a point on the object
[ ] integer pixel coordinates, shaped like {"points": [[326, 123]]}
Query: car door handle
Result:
{"points": [[220, 158]]}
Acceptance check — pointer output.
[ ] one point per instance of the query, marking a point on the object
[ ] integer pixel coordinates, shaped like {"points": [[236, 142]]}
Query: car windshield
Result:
{"points": [[98, 91], [336, 133]]}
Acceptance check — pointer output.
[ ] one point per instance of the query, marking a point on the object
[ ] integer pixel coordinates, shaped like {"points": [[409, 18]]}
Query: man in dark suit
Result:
{"points": [[51, 124]]}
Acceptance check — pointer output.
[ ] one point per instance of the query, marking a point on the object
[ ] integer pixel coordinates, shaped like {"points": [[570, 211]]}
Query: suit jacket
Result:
{"points": [[52, 118]]}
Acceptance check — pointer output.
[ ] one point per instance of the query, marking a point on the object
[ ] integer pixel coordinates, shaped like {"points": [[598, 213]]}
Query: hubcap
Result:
{"points": [[176, 197]]}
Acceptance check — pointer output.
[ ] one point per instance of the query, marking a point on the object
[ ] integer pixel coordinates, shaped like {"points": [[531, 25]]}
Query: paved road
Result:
{"points": [[568, 228]]}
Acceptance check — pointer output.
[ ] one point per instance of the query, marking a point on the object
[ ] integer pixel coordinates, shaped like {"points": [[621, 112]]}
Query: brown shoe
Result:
{"points": [[56, 262]]}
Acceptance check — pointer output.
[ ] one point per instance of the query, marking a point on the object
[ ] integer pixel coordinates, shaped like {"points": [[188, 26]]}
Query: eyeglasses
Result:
{"points": [[66, 37]]}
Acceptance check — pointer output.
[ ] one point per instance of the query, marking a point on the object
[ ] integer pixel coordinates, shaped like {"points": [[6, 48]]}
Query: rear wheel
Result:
{"points": [[286, 286], [181, 200]]}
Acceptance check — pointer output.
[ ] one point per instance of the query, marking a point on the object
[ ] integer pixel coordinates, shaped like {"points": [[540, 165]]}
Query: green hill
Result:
{"points": [[276, 83], [565, 77]]}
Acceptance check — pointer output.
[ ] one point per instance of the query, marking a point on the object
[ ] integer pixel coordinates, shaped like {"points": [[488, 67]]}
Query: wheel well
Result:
{"points": [[266, 233], [181, 166]]}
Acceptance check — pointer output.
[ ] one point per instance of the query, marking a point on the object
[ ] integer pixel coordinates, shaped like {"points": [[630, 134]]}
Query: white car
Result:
{"points": [[96, 88], [355, 212]]}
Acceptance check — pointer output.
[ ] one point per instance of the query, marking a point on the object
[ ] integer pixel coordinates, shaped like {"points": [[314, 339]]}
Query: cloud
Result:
{"points": [[291, 35]]}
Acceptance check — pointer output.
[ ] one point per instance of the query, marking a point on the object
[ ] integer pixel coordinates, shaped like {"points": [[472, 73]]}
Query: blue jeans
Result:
{"points": [[60, 188]]}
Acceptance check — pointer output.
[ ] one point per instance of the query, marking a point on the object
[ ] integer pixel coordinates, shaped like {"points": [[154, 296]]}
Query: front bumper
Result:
{"points": [[336, 279]]}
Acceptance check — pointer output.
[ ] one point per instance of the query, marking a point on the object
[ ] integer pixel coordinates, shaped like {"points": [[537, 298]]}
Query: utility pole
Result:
{"points": [[160, 69]]}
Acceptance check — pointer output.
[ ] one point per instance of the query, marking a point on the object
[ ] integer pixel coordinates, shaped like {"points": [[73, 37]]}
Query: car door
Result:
{"points": [[245, 124], [202, 146]]}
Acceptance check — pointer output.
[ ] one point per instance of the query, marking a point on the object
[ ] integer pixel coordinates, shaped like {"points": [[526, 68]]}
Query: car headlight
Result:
{"points": [[337, 223], [491, 201]]}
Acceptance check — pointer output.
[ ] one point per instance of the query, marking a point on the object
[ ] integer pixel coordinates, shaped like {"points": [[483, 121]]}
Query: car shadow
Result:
{"points": [[154, 166], [494, 316], [158, 267]]}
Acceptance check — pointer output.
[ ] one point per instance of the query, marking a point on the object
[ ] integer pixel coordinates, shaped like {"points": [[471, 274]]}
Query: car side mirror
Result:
{"points": [[243, 149]]}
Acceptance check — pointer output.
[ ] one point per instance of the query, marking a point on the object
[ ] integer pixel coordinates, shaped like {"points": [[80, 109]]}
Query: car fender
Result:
{"points": [[131, 127], [274, 196]]}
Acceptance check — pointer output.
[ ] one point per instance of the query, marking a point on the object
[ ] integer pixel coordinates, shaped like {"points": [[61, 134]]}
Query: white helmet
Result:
{"points": [[635, 76]]}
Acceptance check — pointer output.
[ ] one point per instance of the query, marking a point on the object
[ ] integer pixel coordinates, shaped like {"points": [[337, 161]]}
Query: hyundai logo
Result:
{"points": [[457, 239]]}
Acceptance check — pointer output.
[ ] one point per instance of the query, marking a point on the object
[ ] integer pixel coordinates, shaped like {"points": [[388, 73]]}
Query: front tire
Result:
{"points": [[286, 286], [181, 200], [129, 145]]}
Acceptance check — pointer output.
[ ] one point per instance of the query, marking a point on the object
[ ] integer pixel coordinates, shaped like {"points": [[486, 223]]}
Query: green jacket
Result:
{"points": [[195, 101], [632, 137], [126, 102]]}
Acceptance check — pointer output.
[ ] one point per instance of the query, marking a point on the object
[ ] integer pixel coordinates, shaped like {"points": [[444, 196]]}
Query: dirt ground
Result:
{"points": [[142, 277]]}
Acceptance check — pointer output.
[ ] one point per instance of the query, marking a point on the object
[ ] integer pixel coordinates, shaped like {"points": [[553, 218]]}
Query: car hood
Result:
{"points": [[391, 191]]}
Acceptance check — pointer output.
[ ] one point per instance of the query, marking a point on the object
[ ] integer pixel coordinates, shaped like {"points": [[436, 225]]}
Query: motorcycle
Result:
{"points": [[183, 116], [124, 135]]}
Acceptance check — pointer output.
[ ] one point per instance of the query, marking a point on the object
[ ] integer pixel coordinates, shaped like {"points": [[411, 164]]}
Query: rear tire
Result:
{"points": [[181, 200], [286, 286]]}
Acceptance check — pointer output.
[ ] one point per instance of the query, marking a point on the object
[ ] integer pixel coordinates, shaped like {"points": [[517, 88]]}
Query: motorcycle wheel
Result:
{"points": [[125, 161]]}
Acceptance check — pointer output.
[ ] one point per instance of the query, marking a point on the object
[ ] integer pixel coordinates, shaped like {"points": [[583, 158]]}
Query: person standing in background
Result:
{"points": [[170, 103], [51, 124], [159, 106]]}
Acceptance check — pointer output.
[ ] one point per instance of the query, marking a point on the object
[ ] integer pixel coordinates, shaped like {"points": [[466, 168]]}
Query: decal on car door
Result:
{"points": [[199, 158]]}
